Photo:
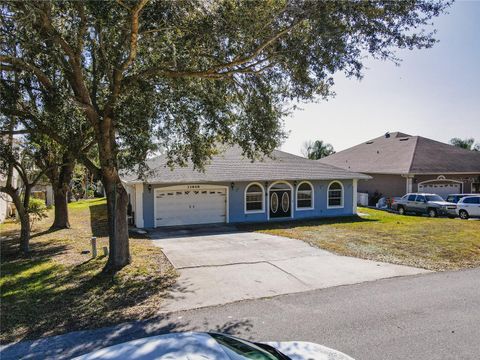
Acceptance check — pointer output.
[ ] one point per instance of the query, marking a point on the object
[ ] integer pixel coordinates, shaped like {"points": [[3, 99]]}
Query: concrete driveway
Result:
{"points": [[228, 265]]}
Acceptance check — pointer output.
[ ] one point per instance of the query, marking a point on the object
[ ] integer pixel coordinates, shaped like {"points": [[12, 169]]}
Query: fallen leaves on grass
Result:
{"points": [[57, 288]]}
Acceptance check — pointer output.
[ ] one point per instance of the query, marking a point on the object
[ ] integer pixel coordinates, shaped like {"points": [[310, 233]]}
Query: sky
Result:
{"points": [[434, 93]]}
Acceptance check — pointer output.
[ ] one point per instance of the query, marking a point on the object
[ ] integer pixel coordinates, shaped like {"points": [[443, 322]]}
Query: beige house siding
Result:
{"points": [[386, 184], [396, 185], [465, 179]]}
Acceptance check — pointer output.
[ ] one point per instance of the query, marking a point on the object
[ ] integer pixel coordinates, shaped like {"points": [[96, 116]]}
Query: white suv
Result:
{"points": [[468, 206]]}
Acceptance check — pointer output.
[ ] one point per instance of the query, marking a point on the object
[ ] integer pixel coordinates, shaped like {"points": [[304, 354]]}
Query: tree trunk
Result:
{"points": [[117, 201], [117, 197], [60, 177], [24, 217], [24, 231], [61, 209]]}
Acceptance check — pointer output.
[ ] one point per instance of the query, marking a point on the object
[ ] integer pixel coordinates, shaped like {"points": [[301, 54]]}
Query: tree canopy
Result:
{"points": [[185, 75], [318, 149], [193, 72], [468, 144]]}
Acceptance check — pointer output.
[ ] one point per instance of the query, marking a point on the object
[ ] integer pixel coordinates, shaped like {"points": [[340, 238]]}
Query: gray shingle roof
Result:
{"points": [[405, 154], [231, 165]]}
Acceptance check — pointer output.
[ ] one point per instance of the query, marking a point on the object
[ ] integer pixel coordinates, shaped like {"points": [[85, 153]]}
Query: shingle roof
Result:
{"points": [[405, 154], [231, 165]]}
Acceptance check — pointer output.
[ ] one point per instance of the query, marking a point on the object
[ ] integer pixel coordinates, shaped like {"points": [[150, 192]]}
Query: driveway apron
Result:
{"points": [[229, 265]]}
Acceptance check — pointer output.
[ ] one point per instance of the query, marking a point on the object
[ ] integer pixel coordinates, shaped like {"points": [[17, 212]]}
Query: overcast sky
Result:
{"points": [[434, 93]]}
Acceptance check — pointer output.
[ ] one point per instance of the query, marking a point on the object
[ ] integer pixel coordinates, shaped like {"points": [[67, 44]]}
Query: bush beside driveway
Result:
{"points": [[58, 289], [434, 244]]}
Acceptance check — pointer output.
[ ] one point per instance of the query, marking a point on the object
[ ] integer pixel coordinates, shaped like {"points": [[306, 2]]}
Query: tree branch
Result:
{"points": [[14, 132], [220, 71], [76, 78], [88, 146], [133, 35], [20, 64], [82, 29], [122, 4], [94, 169], [118, 72]]}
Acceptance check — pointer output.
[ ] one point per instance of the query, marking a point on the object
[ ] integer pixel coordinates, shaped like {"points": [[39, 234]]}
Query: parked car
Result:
{"points": [[455, 198], [420, 203], [186, 346], [469, 206]]}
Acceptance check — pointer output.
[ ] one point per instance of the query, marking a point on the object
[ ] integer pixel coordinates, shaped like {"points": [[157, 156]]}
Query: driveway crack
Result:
{"points": [[241, 262], [246, 263], [288, 273], [220, 265]]}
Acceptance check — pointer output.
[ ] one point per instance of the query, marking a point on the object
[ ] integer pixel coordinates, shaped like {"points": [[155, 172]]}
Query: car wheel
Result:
{"points": [[463, 214], [401, 210], [432, 213]]}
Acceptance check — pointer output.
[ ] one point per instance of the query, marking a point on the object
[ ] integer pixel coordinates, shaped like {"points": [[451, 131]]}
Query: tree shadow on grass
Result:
{"points": [[99, 220], [50, 298], [39, 251], [45, 232]]}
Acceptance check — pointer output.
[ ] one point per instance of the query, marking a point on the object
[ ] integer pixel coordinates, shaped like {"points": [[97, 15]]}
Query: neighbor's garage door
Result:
{"points": [[188, 207], [440, 189]]}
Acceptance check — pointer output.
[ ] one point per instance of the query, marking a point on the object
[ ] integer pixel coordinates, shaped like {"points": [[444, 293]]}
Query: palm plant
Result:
{"points": [[318, 149]]}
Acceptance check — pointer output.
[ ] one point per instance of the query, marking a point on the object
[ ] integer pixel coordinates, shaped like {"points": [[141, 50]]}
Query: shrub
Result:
{"points": [[37, 210]]}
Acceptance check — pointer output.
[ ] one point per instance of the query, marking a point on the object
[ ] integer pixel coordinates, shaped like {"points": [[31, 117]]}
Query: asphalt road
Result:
{"points": [[430, 316]]}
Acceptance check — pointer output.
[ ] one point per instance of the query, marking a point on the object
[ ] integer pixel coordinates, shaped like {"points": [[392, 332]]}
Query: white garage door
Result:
{"points": [[440, 189], [190, 206]]}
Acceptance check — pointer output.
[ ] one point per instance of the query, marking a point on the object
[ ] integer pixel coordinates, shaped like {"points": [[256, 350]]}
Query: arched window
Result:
{"points": [[304, 196], [335, 195], [254, 198]]}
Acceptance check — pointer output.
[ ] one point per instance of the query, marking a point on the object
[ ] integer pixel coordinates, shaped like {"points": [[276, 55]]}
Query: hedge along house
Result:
{"points": [[233, 189]]}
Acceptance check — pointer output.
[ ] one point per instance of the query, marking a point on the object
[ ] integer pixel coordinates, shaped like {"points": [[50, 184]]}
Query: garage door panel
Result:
{"points": [[185, 207], [440, 189]]}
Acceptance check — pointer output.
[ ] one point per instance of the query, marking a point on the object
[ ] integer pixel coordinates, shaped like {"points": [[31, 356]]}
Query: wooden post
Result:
{"points": [[94, 247]]}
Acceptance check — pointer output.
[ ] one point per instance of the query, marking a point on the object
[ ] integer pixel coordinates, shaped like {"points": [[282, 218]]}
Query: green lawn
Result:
{"points": [[58, 289], [435, 244]]}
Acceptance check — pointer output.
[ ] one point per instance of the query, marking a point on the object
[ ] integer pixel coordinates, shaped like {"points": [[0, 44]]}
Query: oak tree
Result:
{"points": [[185, 75]]}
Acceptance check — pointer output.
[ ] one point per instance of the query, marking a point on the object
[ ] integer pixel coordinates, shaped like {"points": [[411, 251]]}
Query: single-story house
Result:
{"points": [[233, 189], [6, 203], [5, 206], [400, 163], [42, 191]]}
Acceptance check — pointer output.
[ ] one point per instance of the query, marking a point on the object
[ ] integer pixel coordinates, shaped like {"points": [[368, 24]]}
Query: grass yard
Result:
{"points": [[435, 244], [58, 289]]}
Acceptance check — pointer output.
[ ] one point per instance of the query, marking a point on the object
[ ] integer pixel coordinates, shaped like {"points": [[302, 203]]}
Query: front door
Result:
{"points": [[280, 203]]}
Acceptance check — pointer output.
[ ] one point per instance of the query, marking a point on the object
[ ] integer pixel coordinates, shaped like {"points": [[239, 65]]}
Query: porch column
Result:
{"points": [[139, 205], [354, 189], [409, 187]]}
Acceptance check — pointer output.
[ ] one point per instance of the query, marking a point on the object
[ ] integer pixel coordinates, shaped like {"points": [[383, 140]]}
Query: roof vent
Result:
{"points": [[387, 135], [369, 142]]}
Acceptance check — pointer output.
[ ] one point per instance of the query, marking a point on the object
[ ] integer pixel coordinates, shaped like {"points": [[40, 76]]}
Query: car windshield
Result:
{"points": [[433, 198], [237, 349]]}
